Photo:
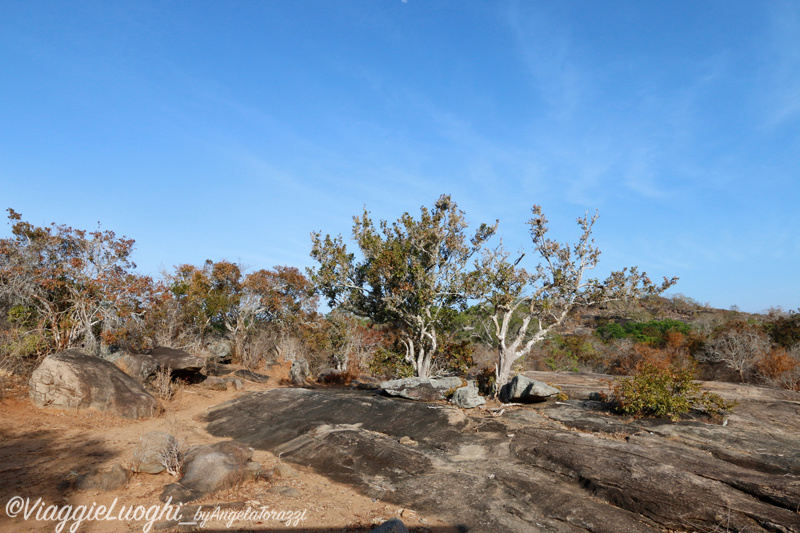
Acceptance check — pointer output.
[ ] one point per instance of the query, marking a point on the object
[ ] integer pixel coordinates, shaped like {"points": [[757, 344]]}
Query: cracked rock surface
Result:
{"points": [[558, 466]]}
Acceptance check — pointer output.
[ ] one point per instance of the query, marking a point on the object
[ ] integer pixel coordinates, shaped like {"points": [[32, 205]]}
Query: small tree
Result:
{"points": [[410, 272], [523, 307]]}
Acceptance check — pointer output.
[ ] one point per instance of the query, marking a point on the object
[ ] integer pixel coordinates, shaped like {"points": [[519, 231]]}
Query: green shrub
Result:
{"points": [[566, 353], [390, 364], [664, 393], [653, 332], [785, 330]]}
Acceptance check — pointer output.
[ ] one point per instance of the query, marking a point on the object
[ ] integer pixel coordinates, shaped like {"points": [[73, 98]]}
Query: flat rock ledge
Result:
{"points": [[566, 466]]}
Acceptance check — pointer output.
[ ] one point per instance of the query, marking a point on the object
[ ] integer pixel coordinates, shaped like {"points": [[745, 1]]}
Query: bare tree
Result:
{"points": [[739, 348], [523, 307]]}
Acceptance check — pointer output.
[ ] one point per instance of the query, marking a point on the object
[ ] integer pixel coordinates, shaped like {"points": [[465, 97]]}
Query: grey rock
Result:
{"points": [[395, 525], [152, 446], [425, 389], [365, 383], [526, 390], [283, 471], [215, 383], [177, 360], [468, 397], [74, 380], [139, 366], [114, 479], [298, 372], [555, 466], [212, 468]]}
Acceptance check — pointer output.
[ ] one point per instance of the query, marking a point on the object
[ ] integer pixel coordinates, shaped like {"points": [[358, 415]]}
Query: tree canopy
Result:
{"points": [[408, 273]]}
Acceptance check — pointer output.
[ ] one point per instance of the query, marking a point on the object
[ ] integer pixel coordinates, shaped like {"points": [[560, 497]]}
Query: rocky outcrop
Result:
{"points": [[425, 389], [555, 466], [74, 380]]}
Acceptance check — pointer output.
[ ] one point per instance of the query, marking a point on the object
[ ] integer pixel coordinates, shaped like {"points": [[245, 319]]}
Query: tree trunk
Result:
{"points": [[506, 361]]}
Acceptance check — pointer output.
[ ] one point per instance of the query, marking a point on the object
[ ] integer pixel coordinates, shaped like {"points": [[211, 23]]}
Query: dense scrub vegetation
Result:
{"points": [[425, 298]]}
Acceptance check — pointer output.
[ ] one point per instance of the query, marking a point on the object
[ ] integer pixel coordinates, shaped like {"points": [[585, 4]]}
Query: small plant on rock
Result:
{"points": [[171, 457], [664, 393]]}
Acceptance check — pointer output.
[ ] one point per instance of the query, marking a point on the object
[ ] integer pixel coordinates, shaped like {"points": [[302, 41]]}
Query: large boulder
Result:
{"points": [[177, 360], [425, 389], [526, 390], [212, 468], [73, 380]]}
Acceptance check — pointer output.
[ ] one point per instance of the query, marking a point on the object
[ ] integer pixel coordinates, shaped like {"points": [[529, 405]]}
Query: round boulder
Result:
{"points": [[73, 380]]}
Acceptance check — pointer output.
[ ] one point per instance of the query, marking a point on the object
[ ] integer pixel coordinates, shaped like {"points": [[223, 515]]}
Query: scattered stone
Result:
{"points": [[113, 479], [212, 468], [395, 525], [408, 441], [177, 360], [216, 383], [298, 373], [285, 491], [468, 397], [425, 389], [73, 380], [139, 366], [526, 390], [150, 451], [283, 471]]}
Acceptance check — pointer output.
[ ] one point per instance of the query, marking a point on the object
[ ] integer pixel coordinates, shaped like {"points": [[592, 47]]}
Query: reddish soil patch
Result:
{"points": [[42, 449]]}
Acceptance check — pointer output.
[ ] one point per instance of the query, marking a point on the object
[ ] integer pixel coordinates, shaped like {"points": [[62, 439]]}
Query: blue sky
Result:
{"points": [[231, 130]]}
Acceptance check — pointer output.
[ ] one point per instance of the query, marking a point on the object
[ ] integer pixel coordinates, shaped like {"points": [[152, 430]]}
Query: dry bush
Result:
{"points": [[171, 457], [258, 350], [780, 368], [162, 383], [739, 347]]}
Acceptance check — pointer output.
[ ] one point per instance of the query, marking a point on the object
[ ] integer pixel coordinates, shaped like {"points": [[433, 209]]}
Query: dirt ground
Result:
{"points": [[42, 449]]}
